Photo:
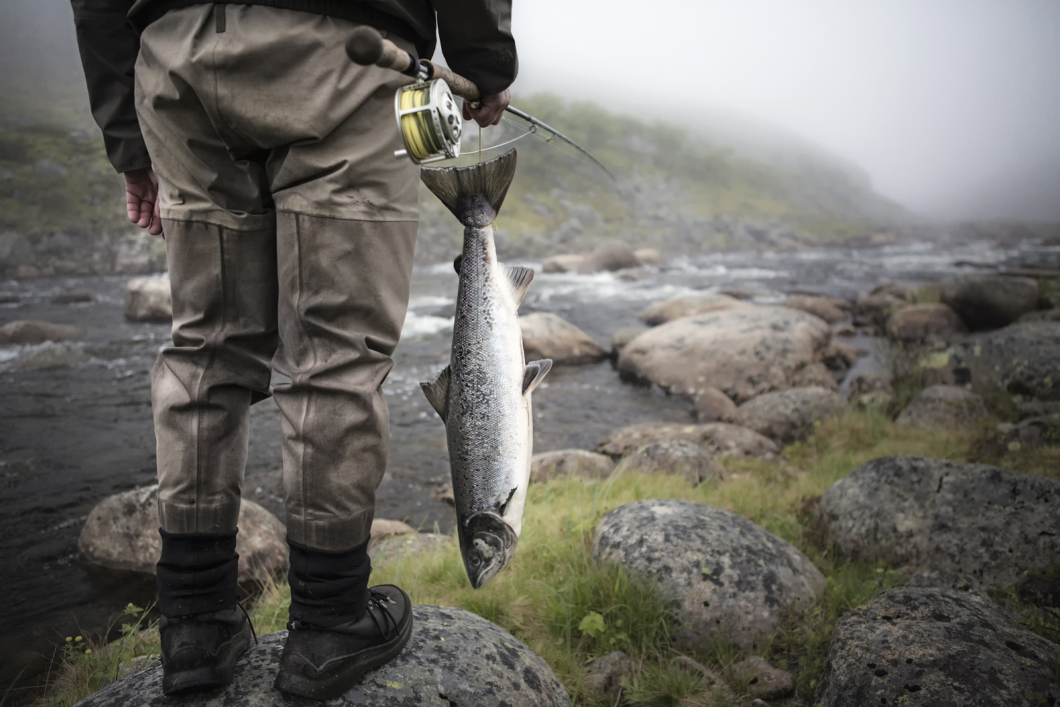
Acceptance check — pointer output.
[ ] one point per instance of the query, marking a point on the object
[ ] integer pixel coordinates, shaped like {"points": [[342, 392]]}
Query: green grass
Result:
{"points": [[570, 610]]}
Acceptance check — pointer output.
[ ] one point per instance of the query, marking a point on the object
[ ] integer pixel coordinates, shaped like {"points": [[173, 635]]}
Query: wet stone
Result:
{"points": [[568, 462], [604, 675], [763, 680], [686, 459]]}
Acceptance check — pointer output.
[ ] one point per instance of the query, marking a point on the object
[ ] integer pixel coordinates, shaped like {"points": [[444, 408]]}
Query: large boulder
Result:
{"points": [[1030, 433], [29, 332], [649, 256], [727, 575], [716, 437], [570, 462], [687, 306], [977, 520], [925, 322], [874, 310], [827, 308], [942, 406], [623, 336], [609, 257], [1042, 315], [685, 459], [712, 405], [562, 263], [789, 415], [547, 335], [742, 353], [149, 299], [938, 647], [121, 533], [1021, 359], [453, 658], [990, 301]]}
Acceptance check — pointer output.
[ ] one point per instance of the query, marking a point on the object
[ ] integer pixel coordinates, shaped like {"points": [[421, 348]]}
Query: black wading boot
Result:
{"points": [[203, 630], [322, 663]]}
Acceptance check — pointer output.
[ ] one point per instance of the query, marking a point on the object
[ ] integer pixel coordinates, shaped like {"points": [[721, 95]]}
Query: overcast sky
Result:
{"points": [[951, 106]]}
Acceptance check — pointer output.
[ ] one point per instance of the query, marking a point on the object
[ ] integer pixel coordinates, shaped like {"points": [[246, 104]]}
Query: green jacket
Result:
{"points": [[476, 37]]}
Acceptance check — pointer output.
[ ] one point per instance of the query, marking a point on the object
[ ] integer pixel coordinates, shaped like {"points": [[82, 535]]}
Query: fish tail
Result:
{"points": [[474, 194]]}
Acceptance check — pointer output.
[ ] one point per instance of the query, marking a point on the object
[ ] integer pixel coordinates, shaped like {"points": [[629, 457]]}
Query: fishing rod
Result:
{"points": [[427, 114]]}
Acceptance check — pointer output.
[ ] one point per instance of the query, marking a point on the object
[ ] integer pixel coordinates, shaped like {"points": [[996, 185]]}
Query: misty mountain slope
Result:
{"points": [[674, 190]]}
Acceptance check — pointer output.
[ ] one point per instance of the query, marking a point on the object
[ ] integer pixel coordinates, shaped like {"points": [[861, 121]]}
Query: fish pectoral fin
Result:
{"points": [[534, 373], [437, 392], [519, 279], [457, 262]]}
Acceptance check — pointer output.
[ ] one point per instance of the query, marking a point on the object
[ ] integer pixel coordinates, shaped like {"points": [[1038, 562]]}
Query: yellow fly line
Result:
{"points": [[416, 127]]}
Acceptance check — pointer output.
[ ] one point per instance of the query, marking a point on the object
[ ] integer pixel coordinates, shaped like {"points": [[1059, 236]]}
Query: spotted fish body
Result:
{"points": [[483, 396]]}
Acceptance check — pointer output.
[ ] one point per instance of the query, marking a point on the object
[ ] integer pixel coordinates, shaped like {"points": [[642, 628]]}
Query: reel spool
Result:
{"points": [[429, 120]]}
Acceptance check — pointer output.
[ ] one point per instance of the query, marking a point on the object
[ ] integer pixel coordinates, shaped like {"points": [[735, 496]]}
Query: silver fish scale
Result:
{"points": [[486, 423]]}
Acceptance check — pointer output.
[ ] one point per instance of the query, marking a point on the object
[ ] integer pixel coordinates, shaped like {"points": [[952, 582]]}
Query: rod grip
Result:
{"points": [[368, 48], [457, 83]]}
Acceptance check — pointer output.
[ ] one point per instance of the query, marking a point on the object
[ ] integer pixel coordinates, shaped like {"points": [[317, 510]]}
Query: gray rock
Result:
{"points": [[687, 306], [609, 257], [546, 335], [15, 251], [47, 356], [875, 310], [604, 675], [990, 301], [839, 356], [623, 336], [29, 332], [712, 405], [1021, 359], [1042, 315], [977, 520], [763, 680], [742, 353], [826, 308], [76, 296], [870, 389], [567, 462], [942, 579], [1030, 433], [562, 263], [791, 414], [741, 293], [121, 533], [1027, 409], [396, 547], [938, 647], [148, 299], [649, 256], [631, 274], [717, 437], [453, 658], [943, 406], [685, 459], [925, 322], [726, 575], [814, 375]]}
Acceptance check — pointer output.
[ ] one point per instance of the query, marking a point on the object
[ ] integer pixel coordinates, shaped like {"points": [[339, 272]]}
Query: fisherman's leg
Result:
{"points": [[221, 250]]}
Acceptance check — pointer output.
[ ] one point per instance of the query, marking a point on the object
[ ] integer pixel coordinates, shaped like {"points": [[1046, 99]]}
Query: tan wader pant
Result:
{"points": [[290, 230]]}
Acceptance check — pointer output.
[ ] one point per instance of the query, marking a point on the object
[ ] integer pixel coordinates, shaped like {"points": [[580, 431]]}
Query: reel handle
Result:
{"points": [[369, 48]]}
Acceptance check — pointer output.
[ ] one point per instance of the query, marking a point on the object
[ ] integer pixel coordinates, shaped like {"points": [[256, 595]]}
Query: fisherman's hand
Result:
{"points": [[490, 109], [141, 200]]}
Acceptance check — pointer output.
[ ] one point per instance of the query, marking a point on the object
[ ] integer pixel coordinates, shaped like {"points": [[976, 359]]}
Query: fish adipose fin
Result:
{"points": [[474, 194], [519, 278], [534, 373], [437, 392]]}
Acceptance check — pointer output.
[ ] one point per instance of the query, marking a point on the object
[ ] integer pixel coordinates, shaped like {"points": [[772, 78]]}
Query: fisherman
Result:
{"points": [[265, 158]]}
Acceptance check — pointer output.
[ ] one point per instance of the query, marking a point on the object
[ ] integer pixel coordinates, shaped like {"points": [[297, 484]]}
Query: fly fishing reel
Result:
{"points": [[429, 120]]}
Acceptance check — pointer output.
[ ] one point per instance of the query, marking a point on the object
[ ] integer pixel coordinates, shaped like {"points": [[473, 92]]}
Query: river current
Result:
{"points": [[73, 435]]}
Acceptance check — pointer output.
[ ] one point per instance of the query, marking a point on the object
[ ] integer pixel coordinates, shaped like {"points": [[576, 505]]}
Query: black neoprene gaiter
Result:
{"points": [[328, 588], [197, 573]]}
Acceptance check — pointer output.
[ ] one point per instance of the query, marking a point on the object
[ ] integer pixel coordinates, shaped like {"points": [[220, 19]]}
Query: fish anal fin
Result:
{"points": [[437, 392], [534, 373], [519, 279]]}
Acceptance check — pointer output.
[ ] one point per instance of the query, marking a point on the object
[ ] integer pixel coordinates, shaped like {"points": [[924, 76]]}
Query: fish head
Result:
{"points": [[487, 544]]}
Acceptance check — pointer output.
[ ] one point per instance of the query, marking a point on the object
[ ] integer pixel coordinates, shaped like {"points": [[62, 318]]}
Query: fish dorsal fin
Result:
{"points": [[437, 392], [534, 373], [474, 194], [519, 279], [457, 262]]}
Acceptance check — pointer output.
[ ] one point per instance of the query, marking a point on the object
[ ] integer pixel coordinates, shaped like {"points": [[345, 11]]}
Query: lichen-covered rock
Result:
{"points": [[742, 353], [679, 458], [814, 375], [977, 520], [829, 309], [567, 462], [547, 335], [1030, 433], [149, 299], [1026, 409], [870, 389], [712, 405], [791, 414], [717, 437], [687, 306], [29, 333], [453, 658], [874, 310], [610, 257], [763, 680], [623, 336], [1021, 359], [925, 322], [604, 675], [727, 575], [942, 579], [121, 533], [943, 406], [938, 647], [990, 301]]}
